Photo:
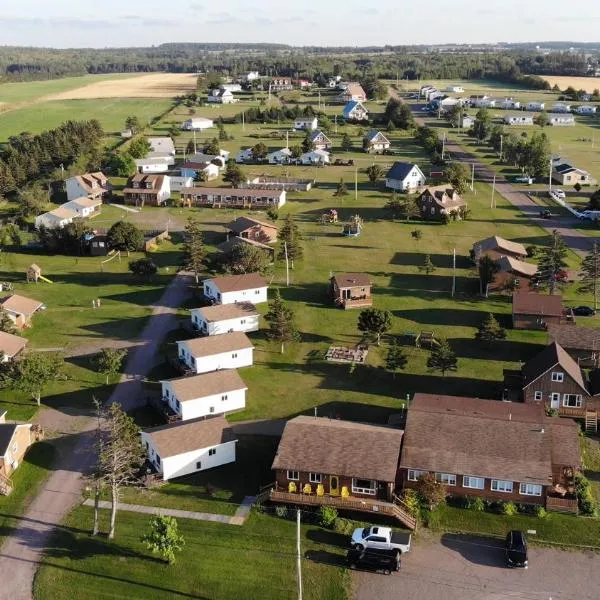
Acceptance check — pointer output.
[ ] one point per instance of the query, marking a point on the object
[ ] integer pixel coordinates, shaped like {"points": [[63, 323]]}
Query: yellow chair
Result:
{"points": [[320, 490], [345, 492], [292, 489], [307, 489]]}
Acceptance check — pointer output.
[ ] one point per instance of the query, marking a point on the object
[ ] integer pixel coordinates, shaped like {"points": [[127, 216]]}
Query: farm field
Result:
{"points": [[589, 84]]}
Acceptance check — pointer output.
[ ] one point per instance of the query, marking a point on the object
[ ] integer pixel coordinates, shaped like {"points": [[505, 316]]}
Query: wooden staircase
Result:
{"points": [[5, 485], [591, 421], [401, 512]]}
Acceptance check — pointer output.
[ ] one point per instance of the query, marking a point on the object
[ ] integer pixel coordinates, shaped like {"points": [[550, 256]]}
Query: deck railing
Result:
{"points": [[558, 504]]}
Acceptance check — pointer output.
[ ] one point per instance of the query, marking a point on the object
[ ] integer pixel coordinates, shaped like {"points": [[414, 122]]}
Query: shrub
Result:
{"points": [[327, 516], [411, 499], [577, 187], [509, 509], [281, 511], [434, 520], [476, 504], [343, 526], [531, 250], [585, 496], [540, 512], [143, 267]]}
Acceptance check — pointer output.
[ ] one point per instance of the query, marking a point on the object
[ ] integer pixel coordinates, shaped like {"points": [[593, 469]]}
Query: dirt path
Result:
{"points": [[22, 552], [577, 241]]}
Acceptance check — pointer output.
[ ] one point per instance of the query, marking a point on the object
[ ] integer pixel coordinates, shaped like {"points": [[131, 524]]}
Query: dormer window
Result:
{"points": [[558, 377]]}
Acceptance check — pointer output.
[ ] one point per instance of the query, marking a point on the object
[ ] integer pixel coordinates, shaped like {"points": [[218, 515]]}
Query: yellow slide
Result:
{"points": [[45, 279]]}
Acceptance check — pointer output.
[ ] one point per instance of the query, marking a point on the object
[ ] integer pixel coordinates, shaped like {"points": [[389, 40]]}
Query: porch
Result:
{"points": [[355, 302], [162, 406]]}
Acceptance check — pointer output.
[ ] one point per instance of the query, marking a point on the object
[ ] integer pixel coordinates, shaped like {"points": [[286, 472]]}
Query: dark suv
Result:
{"points": [[516, 549]]}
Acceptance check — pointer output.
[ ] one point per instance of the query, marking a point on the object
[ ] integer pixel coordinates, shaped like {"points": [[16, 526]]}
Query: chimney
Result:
{"points": [[510, 416], [542, 430]]}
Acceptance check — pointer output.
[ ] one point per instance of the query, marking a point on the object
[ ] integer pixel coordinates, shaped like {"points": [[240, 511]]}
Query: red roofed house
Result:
{"points": [[435, 202], [151, 190], [89, 185], [537, 311]]}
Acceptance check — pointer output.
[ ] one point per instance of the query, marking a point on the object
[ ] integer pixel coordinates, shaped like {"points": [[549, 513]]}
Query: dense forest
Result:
{"points": [[512, 65]]}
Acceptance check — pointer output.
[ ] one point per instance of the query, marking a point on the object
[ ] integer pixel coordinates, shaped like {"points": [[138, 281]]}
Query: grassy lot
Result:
{"points": [[220, 562], [27, 479]]}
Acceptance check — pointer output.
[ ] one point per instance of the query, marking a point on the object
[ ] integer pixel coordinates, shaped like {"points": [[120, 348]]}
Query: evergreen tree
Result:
{"points": [[395, 359], [212, 147], [490, 331], [427, 267], [233, 173], [442, 357], [590, 274], [143, 267], [290, 238], [487, 268], [341, 189], [296, 150], [374, 172], [346, 143], [281, 321], [375, 321], [307, 143], [194, 251], [552, 265]]}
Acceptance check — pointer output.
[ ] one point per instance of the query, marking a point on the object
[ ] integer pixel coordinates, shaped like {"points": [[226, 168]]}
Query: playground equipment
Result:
{"points": [[354, 227], [34, 272], [426, 338], [331, 216]]}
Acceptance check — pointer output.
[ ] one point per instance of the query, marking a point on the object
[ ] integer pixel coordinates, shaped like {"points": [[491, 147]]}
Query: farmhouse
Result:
{"points": [[355, 111], [581, 343], [560, 120], [233, 198], [404, 177], [188, 447], [518, 119], [308, 123], [20, 309], [281, 84], [375, 141], [220, 96], [161, 145], [252, 229], [492, 450], [320, 141], [352, 466], [89, 185], [151, 190], [197, 124], [351, 290], [496, 247], [353, 93], [216, 352], [157, 164], [279, 157], [11, 345], [535, 106], [231, 289], [15, 440], [566, 174], [316, 157], [205, 395], [513, 274], [537, 311], [225, 318], [436, 201]]}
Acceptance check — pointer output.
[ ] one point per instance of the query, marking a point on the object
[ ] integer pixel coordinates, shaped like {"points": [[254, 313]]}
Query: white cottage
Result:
{"points": [[197, 124], [231, 289], [375, 141], [585, 109], [518, 119], [153, 164], [316, 157], [216, 352], [306, 123], [188, 447], [279, 157], [225, 318], [559, 120], [535, 106], [355, 111], [205, 395], [404, 177]]}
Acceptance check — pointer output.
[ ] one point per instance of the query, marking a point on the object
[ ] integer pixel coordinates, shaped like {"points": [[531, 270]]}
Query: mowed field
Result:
{"points": [[589, 84]]}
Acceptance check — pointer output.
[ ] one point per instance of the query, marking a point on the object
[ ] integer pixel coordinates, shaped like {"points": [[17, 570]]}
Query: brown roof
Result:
{"points": [[20, 304], [87, 180], [155, 180], [345, 280], [354, 89], [575, 338], [218, 344], [320, 445], [498, 243], [565, 443], [232, 242], [441, 192], [222, 312], [549, 357], [242, 224], [207, 384], [11, 345], [238, 193], [530, 303], [484, 438], [508, 263], [171, 440], [238, 283]]}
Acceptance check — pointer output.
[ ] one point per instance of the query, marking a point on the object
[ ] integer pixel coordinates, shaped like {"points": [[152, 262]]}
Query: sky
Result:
{"points": [[110, 23]]}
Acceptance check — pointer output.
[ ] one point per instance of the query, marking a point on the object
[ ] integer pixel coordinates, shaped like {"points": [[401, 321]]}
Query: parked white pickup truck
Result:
{"points": [[380, 538]]}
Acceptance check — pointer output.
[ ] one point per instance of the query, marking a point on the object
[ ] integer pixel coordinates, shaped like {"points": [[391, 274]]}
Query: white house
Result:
{"points": [[457, 89], [279, 157], [191, 446], [216, 352], [559, 120], [320, 141], [220, 96], [55, 219], [230, 289], [249, 76], [231, 87], [404, 177], [158, 164], [467, 121], [480, 101], [535, 106], [509, 104], [191, 168], [83, 207], [375, 141], [560, 107], [179, 182], [225, 318], [518, 119], [90, 185], [309, 123], [316, 157], [355, 111], [205, 395], [585, 109], [161, 145], [244, 155], [197, 124]]}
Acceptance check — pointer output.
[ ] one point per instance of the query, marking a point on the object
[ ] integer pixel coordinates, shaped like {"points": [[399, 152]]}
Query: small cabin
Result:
{"points": [[351, 290]]}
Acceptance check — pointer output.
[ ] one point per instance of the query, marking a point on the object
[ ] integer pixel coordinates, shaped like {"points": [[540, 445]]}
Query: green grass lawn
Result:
{"points": [[27, 479], [219, 562]]}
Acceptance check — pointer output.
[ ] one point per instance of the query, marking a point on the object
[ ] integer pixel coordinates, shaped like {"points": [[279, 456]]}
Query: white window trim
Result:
{"points": [[472, 487], [502, 485], [315, 477], [293, 476], [446, 478], [578, 401], [537, 396], [558, 376], [523, 486], [372, 491], [414, 474]]}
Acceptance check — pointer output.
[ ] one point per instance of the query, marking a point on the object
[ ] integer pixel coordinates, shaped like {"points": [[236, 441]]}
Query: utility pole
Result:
{"points": [[287, 266], [550, 177], [473, 176], [492, 205], [356, 183], [298, 554], [453, 272], [319, 99], [335, 121], [501, 142], [443, 145], [243, 121], [287, 140], [195, 149]]}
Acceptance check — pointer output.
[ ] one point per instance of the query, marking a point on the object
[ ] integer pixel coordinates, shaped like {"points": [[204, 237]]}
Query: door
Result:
{"points": [[555, 400], [334, 485], [346, 294]]}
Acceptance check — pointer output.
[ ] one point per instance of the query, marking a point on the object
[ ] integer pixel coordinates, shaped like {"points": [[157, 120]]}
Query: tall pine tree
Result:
{"points": [[442, 358], [395, 359], [282, 327], [290, 240], [590, 274], [552, 265], [194, 250], [490, 330]]}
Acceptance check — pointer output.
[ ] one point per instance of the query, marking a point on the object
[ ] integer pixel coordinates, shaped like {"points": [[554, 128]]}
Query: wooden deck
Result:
{"points": [[564, 505]]}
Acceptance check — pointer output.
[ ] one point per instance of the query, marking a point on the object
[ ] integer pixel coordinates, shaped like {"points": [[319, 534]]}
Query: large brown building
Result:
{"points": [[496, 247], [491, 449], [538, 311], [233, 198], [151, 190], [251, 229], [582, 343], [351, 290], [513, 274], [437, 201]]}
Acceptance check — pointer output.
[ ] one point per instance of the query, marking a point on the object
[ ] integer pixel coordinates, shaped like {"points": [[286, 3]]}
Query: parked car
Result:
{"points": [[516, 549], [558, 193], [375, 560], [545, 214], [524, 179], [338, 162], [380, 538], [583, 311]]}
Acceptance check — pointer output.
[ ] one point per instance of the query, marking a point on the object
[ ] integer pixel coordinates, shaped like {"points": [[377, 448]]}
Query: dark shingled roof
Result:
{"points": [[575, 338], [400, 170], [320, 445], [530, 303], [7, 430], [345, 280], [238, 283]]}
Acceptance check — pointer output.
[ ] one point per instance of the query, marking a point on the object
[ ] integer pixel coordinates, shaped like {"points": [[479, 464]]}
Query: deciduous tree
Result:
{"points": [[427, 267], [374, 172], [458, 175], [245, 258], [139, 147], [110, 361], [483, 124], [164, 537], [35, 371], [7, 325], [132, 122], [125, 236], [259, 151], [341, 190], [281, 319], [143, 267], [442, 358], [431, 491], [122, 164], [374, 321], [487, 268]]}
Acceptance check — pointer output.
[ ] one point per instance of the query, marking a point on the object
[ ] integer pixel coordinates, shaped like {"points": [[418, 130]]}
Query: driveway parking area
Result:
{"points": [[466, 568]]}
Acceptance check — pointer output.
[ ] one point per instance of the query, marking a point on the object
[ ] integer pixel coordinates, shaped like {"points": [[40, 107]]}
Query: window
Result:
{"points": [[178, 405], [314, 477], [234, 355], [538, 395], [364, 486], [572, 400], [558, 377], [157, 459], [223, 397], [257, 292], [212, 451], [167, 394], [498, 485], [242, 321], [475, 483], [413, 474], [447, 478], [293, 475], [211, 409], [530, 489], [198, 465]]}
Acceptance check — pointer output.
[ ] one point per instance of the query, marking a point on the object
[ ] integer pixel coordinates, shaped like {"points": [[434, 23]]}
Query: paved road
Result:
{"points": [[462, 568], [20, 555], [577, 241]]}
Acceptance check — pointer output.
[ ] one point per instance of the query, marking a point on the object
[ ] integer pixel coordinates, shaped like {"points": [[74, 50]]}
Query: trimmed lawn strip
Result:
{"points": [[220, 562]]}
